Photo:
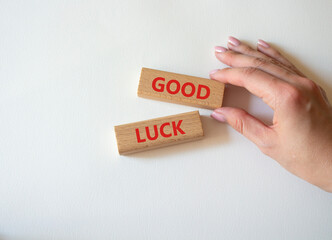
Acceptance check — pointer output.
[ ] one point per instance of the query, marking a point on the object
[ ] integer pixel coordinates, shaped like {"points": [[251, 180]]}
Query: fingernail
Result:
{"points": [[220, 49], [234, 41], [263, 43], [214, 71], [218, 116]]}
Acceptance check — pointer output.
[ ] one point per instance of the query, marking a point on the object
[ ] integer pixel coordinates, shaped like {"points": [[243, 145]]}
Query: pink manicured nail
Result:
{"points": [[218, 116], [220, 49], [263, 43], [234, 41], [214, 71]]}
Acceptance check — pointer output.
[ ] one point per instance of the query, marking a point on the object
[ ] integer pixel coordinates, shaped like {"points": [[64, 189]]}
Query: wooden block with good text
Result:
{"points": [[158, 132], [179, 88]]}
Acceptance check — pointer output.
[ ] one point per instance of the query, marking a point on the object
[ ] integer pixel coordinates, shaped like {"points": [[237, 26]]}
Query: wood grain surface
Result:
{"points": [[181, 89], [158, 132]]}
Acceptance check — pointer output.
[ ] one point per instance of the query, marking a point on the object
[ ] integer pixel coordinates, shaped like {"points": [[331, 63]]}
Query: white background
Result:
{"points": [[69, 72]]}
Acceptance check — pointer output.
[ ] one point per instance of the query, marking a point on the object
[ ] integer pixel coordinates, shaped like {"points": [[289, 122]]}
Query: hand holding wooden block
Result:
{"points": [[179, 88], [158, 132]]}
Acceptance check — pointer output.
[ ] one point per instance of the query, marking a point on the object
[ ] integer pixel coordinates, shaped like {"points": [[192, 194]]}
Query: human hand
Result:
{"points": [[300, 138]]}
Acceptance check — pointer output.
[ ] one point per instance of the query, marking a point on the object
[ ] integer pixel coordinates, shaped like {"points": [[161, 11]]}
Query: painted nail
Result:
{"points": [[234, 41], [220, 49], [214, 71], [218, 116], [263, 43]]}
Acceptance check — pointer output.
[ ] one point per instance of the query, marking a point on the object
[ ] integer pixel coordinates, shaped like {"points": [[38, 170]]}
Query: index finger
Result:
{"points": [[256, 81]]}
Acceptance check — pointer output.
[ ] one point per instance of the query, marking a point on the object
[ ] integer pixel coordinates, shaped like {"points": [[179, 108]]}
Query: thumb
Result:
{"points": [[252, 128]]}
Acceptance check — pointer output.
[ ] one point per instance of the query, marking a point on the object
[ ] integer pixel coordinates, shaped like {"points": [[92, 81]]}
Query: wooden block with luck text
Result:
{"points": [[158, 132], [181, 89]]}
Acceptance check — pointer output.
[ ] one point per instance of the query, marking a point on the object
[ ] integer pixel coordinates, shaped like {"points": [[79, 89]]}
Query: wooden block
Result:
{"points": [[158, 132], [179, 88]]}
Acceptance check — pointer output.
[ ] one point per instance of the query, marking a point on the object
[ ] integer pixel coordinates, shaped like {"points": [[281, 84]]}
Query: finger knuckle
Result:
{"points": [[282, 65], [275, 62], [249, 71], [246, 49], [239, 124], [259, 62], [291, 92], [310, 85], [293, 96], [288, 74]]}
